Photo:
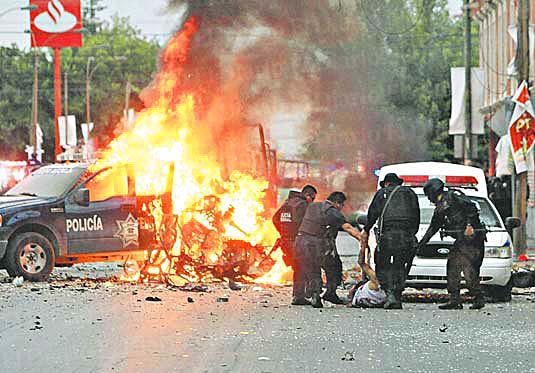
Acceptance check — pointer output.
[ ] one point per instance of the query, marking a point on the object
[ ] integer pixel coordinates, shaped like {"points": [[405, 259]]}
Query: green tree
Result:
{"points": [[404, 53], [118, 53], [421, 42], [91, 8], [16, 78]]}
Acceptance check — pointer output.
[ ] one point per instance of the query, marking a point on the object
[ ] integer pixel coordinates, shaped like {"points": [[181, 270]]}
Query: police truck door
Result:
{"points": [[108, 223]]}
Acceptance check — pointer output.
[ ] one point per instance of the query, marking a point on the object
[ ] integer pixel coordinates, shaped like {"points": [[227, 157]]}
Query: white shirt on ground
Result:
{"points": [[368, 297]]}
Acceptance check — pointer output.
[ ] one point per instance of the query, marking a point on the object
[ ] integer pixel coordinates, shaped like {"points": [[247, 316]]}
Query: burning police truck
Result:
{"points": [[184, 190], [65, 214]]}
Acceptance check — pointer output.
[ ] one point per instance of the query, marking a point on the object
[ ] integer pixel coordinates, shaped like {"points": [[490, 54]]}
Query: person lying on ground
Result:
{"points": [[368, 294]]}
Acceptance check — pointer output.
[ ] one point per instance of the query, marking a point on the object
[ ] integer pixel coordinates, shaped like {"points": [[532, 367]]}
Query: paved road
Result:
{"points": [[78, 326]]}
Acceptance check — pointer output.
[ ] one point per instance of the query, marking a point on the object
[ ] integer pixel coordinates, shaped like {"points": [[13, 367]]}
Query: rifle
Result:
{"points": [[276, 245]]}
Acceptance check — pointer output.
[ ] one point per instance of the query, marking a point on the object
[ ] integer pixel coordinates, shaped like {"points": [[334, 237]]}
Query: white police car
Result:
{"points": [[429, 265]]}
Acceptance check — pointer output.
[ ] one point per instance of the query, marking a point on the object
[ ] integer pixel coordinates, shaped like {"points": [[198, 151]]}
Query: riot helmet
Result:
{"points": [[433, 188]]}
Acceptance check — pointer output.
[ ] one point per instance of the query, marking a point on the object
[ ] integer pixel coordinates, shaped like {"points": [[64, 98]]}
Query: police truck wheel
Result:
{"points": [[31, 256]]}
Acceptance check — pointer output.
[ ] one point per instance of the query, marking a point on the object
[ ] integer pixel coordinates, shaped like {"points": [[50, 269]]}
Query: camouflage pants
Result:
{"points": [[307, 271], [466, 257], [332, 265]]}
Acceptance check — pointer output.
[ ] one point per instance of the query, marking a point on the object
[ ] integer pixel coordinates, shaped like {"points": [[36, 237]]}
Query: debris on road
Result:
{"points": [[193, 288], [523, 278], [18, 281], [264, 358], [443, 328], [232, 285], [153, 299], [190, 300], [348, 356], [222, 300]]}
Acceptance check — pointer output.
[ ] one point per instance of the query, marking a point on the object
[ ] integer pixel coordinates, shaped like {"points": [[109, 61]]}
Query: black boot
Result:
{"points": [[300, 301], [478, 303], [331, 296], [316, 300], [392, 303], [399, 294], [453, 304]]}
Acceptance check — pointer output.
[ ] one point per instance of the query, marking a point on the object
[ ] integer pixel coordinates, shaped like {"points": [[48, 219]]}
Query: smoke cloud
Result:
{"points": [[297, 67]]}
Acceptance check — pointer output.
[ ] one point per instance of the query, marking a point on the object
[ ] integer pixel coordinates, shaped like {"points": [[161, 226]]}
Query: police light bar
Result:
{"points": [[452, 181], [414, 180], [470, 181]]}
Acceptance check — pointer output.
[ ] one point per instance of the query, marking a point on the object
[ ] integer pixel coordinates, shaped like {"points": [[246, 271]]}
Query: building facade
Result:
{"points": [[497, 23]]}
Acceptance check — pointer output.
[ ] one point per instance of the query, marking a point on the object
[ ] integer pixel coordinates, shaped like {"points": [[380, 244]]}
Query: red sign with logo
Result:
{"points": [[522, 133], [56, 23]]}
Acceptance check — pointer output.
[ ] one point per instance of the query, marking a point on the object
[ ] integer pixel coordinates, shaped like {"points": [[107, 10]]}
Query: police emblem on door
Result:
{"points": [[128, 231]]}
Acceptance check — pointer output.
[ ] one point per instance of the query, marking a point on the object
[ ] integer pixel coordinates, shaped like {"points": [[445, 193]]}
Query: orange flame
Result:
{"points": [[169, 131]]}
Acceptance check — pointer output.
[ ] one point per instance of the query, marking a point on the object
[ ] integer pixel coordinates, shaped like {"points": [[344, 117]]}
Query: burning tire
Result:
{"points": [[30, 255]]}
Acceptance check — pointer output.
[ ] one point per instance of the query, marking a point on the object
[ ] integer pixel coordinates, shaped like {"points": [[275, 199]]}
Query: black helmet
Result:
{"points": [[433, 188]]}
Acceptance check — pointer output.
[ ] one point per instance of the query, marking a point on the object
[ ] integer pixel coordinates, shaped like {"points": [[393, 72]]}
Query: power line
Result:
{"points": [[380, 29]]}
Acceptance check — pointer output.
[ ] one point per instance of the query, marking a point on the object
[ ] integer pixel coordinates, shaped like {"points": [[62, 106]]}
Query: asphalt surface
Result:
{"points": [[95, 326]]}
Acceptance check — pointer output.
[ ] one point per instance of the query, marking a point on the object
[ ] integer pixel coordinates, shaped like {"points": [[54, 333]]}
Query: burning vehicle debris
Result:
{"points": [[170, 193]]}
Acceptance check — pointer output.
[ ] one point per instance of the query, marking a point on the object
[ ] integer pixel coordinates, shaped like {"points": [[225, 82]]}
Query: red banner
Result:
{"points": [[56, 23], [522, 128], [522, 133]]}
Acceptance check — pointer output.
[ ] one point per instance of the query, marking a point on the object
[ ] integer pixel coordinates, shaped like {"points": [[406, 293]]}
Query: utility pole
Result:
{"points": [[88, 91], [521, 185], [467, 83], [57, 99], [35, 100], [91, 14], [66, 93], [87, 101], [128, 91]]}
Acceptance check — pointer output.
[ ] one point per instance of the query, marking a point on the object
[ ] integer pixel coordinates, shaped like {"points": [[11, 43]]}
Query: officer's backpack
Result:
{"points": [[400, 206]]}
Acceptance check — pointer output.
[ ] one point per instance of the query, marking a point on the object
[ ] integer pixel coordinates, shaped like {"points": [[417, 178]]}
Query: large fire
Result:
{"points": [[218, 223]]}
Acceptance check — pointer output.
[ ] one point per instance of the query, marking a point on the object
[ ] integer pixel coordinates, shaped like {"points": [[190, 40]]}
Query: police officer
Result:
{"points": [[287, 220], [396, 211], [458, 216], [315, 241]]}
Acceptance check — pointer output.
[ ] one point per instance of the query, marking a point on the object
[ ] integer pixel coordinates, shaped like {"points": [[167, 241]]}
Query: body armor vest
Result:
{"points": [[288, 217], [400, 208], [315, 220]]}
